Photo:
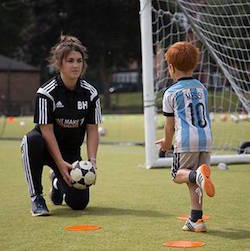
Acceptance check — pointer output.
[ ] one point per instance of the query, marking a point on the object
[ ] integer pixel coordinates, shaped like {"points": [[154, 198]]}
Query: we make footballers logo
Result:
{"points": [[70, 123], [82, 105]]}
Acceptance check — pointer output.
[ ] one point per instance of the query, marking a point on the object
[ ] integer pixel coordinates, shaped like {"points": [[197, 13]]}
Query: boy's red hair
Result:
{"points": [[183, 56]]}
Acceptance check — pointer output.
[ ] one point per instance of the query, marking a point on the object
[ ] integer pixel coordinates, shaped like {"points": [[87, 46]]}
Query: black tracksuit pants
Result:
{"points": [[35, 155]]}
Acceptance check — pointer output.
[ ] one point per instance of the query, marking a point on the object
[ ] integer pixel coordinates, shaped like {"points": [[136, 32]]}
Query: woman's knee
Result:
{"points": [[79, 205], [35, 138], [32, 145], [77, 201]]}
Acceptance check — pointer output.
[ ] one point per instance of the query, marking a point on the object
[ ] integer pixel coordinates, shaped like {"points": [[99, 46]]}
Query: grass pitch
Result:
{"points": [[130, 128], [136, 208]]}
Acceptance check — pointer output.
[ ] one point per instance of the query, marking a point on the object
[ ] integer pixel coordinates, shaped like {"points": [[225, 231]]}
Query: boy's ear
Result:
{"points": [[171, 68]]}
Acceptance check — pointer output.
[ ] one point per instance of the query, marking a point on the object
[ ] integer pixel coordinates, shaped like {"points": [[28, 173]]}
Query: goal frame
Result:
{"points": [[151, 153]]}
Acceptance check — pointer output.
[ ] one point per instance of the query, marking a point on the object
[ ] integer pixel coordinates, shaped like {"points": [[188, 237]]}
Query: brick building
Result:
{"points": [[18, 85]]}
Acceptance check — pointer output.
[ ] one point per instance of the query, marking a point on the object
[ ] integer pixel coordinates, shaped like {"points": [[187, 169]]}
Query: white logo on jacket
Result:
{"points": [[82, 105], [59, 104]]}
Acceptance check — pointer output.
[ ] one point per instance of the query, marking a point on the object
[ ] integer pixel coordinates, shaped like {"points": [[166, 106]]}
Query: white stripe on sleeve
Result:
{"points": [[43, 117]]}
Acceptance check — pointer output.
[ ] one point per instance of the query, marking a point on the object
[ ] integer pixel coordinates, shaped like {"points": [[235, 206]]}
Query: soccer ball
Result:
{"points": [[222, 166], [83, 174], [181, 19], [235, 118], [102, 131]]}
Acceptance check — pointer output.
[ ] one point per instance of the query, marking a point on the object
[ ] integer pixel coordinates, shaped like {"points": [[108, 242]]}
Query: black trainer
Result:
{"points": [[39, 207], [56, 195]]}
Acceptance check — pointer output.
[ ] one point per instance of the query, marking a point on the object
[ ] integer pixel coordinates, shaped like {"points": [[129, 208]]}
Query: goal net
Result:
{"points": [[221, 30]]}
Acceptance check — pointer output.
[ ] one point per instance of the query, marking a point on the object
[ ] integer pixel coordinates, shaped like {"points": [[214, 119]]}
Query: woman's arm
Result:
{"points": [[92, 142], [53, 148]]}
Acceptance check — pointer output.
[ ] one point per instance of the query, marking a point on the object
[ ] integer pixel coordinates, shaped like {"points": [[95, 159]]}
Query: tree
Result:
{"points": [[14, 16], [108, 28]]}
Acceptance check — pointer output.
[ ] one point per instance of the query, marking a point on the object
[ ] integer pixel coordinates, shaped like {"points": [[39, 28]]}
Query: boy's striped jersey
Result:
{"points": [[187, 101]]}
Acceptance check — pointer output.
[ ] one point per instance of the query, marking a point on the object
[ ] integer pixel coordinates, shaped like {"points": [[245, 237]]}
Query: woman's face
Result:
{"points": [[72, 65]]}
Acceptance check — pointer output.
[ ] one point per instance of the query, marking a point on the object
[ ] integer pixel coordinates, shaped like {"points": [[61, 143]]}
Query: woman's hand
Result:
{"points": [[93, 162], [64, 168]]}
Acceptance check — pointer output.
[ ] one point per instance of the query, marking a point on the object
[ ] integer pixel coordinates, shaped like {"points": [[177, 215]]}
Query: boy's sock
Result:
{"points": [[196, 215], [192, 176]]}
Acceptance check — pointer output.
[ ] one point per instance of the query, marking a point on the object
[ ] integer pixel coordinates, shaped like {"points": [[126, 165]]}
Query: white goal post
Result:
{"points": [[227, 65]]}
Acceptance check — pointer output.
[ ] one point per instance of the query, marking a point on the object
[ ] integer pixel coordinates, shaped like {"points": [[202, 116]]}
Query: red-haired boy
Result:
{"points": [[185, 105]]}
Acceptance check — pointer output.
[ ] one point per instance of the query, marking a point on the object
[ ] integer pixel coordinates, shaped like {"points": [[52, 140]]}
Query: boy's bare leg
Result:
{"points": [[196, 203], [182, 176]]}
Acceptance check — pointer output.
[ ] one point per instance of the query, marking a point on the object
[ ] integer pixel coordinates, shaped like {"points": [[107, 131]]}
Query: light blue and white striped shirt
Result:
{"points": [[187, 101]]}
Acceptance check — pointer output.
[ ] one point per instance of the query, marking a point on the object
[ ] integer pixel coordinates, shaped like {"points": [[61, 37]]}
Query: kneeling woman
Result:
{"points": [[66, 107]]}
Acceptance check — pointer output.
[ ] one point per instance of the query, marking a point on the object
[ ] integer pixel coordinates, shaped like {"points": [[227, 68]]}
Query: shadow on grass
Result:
{"points": [[231, 233], [64, 211]]}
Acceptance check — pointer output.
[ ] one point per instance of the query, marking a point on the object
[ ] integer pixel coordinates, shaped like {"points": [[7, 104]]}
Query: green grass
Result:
{"points": [[137, 208], [130, 128]]}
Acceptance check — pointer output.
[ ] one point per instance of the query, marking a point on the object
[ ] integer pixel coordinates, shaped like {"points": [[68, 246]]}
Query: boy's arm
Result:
{"points": [[165, 143], [168, 133]]}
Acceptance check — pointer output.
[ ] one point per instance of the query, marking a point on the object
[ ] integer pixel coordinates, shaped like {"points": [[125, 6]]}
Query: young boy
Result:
{"points": [[185, 105]]}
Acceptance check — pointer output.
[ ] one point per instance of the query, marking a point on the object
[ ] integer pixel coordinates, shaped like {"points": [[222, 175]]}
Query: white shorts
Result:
{"points": [[190, 160]]}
